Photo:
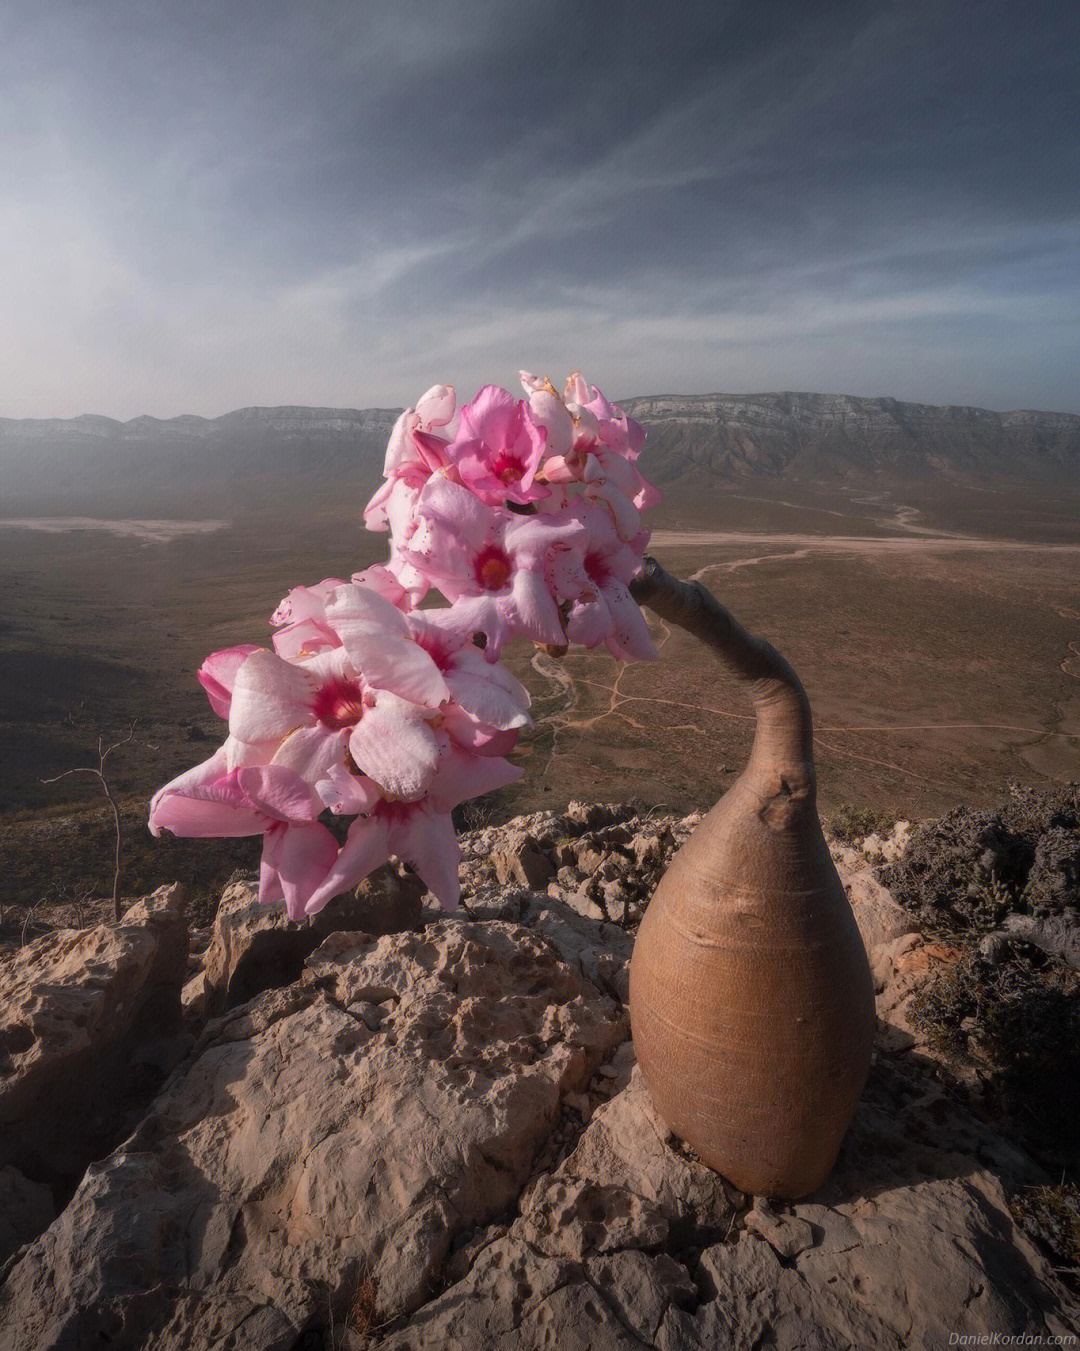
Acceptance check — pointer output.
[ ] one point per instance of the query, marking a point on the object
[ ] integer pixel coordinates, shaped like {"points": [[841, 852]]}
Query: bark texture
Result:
{"points": [[750, 993]]}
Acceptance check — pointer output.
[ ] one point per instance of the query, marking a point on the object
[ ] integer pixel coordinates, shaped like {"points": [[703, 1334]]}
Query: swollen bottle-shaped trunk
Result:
{"points": [[751, 999]]}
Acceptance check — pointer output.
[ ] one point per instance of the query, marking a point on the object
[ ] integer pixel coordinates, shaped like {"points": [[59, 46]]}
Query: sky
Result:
{"points": [[210, 204]]}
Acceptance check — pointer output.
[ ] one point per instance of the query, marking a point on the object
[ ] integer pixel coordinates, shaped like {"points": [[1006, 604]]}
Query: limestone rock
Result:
{"points": [[255, 947], [73, 1006], [519, 860], [910, 1235], [300, 1150], [878, 916], [26, 1208], [787, 1235]]}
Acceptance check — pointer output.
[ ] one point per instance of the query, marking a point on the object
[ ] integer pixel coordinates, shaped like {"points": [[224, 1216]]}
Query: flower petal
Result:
{"points": [[300, 858], [212, 804], [488, 693], [394, 745], [217, 675], [381, 646], [279, 792], [533, 611], [427, 840], [296, 642], [347, 794], [466, 732], [630, 637], [270, 698], [589, 623], [464, 775], [311, 752], [304, 602], [458, 510], [383, 582], [435, 407], [366, 846]]}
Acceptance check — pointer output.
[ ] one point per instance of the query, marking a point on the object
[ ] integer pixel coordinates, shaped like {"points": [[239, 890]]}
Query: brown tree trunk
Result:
{"points": [[750, 994]]}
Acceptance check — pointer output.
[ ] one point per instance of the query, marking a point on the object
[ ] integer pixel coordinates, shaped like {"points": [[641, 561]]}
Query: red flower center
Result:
{"points": [[492, 568], [507, 468], [596, 566], [339, 703]]}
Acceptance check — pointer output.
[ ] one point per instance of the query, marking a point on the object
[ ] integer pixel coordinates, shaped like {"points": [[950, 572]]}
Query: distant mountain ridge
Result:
{"points": [[810, 435], [294, 420], [262, 456]]}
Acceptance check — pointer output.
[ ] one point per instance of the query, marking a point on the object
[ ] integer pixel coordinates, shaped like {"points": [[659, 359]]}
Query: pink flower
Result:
{"points": [[490, 563], [525, 515], [594, 584], [592, 441], [414, 450], [484, 698], [303, 602], [498, 448], [268, 800], [420, 833], [362, 687], [218, 672]]}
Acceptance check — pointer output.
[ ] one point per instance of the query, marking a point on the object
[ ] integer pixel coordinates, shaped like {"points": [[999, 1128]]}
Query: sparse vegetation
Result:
{"points": [[1051, 1216], [964, 873], [1017, 1021], [1008, 1008], [851, 824]]}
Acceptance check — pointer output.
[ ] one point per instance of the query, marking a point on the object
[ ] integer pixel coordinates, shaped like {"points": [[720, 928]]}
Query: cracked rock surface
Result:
{"points": [[632, 1242], [437, 1138], [302, 1149], [78, 1007]]}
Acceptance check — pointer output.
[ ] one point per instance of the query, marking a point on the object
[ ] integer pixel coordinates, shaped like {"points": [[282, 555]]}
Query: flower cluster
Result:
{"points": [[525, 515]]}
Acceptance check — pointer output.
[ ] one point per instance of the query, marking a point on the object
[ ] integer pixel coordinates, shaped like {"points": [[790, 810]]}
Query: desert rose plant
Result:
{"points": [[524, 514], [751, 1002]]}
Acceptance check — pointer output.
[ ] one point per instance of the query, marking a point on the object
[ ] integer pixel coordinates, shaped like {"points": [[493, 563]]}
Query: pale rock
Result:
{"points": [[193, 996], [570, 1217], [787, 1235], [879, 917], [74, 1005], [298, 1147], [255, 947], [911, 1235], [26, 1208], [520, 860], [583, 903]]}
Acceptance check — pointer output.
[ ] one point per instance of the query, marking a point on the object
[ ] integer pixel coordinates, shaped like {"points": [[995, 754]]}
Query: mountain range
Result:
{"points": [[263, 457]]}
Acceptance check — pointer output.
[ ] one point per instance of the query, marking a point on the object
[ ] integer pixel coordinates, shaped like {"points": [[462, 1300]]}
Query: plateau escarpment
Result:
{"points": [[815, 435], [261, 456]]}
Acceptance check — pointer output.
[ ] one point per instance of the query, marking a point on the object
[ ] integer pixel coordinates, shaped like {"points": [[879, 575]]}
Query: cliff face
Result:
{"points": [[807, 435], [256, 456], [151, 464]]}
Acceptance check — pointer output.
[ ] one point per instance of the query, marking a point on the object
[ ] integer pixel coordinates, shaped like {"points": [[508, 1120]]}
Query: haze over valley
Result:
{"points": [[918, 565]]}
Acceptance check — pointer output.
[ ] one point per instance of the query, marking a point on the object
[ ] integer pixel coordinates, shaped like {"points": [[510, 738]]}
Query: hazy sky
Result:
{"points": [[212, 203]]}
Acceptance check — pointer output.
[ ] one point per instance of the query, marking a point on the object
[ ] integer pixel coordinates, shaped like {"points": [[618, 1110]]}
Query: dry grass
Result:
{"points": [[937, 676]]}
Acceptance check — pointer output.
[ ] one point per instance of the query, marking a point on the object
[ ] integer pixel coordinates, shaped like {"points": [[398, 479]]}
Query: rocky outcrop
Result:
{"points": [[346, 1127], [83, 1015], [256, 947], [437, 1138], [632, 1244], [604, 860], [26, 1208]]}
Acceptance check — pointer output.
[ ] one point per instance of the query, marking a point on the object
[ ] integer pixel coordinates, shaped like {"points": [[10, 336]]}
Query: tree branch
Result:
{"points": [[784, 740]]}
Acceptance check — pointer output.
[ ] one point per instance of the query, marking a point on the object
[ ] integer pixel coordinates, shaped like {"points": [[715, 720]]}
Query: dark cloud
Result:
{"points": [[212, 204]]}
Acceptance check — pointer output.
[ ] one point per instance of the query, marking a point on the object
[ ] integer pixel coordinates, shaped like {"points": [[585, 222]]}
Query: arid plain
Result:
{"points": [[937, 629]]}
